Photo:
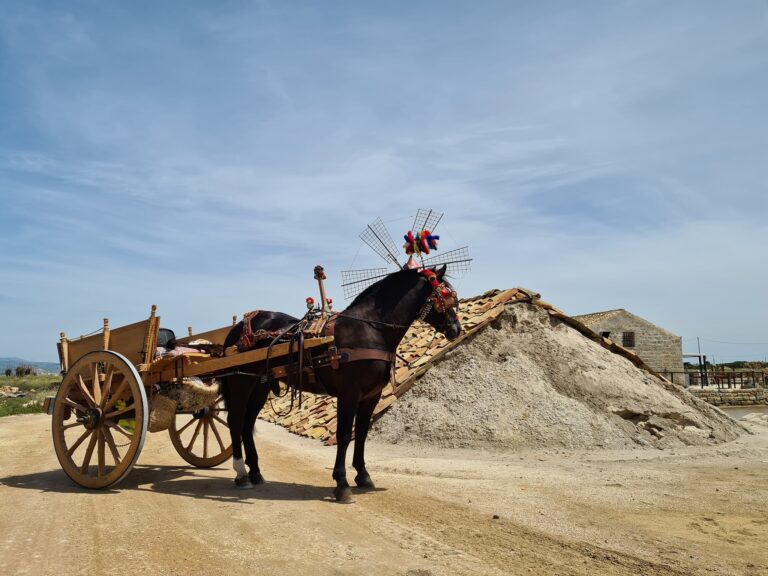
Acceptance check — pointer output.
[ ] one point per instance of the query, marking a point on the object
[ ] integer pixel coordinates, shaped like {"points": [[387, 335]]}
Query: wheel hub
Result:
{"points": [[91, 418]]}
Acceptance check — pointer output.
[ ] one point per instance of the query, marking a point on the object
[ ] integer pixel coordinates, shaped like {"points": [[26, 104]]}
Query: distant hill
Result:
{"points": [[48, 367]]}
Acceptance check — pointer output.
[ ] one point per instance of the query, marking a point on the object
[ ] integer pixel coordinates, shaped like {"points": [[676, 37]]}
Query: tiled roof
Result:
{"points": [[317, 416], [597, 317]]}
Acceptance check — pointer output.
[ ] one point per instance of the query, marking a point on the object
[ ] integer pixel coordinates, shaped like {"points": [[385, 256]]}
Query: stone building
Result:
{"points": [[659, 348]]}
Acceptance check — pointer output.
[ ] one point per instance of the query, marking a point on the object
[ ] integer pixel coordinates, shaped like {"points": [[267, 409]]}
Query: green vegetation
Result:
{"points": [[35, 388], [741, 365]]}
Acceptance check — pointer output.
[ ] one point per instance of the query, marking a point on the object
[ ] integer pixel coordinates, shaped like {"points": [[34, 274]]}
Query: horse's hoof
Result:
{"points": [[256, 478], [364, 482], [243, 482], [343, 495]]}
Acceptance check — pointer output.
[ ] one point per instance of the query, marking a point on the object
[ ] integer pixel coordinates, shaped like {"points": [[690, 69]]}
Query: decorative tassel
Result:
{"points": [[421, 243]]}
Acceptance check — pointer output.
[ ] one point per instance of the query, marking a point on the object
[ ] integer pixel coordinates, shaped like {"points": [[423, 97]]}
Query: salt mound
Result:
{"points": [[530, 381]]}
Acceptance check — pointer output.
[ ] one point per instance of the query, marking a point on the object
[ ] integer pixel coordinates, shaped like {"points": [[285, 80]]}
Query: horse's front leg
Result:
{"points": [[362, 423], [345, 415]]}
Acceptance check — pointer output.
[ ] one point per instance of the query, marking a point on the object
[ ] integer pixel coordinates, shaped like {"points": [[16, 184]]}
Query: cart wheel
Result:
{"points": [[202, 438], [101, 407]]}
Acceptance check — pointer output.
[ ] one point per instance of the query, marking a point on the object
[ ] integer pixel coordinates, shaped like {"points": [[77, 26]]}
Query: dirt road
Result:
{"points": [[681, 512]]}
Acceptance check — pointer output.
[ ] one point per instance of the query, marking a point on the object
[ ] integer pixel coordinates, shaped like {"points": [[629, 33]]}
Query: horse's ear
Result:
{"points": [[441, 271]]}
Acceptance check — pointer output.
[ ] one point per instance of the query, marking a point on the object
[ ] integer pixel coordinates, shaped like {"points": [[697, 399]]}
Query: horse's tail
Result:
{"points": [[224, 390]]}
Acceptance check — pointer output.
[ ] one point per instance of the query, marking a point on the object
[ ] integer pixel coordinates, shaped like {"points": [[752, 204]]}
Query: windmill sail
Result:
{"points": [[377, 237], [457, 261], [355, 281], [426, 219]]}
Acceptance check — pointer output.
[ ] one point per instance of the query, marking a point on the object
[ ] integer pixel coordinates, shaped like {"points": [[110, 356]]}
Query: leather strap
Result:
{"points": [[355, 354]]}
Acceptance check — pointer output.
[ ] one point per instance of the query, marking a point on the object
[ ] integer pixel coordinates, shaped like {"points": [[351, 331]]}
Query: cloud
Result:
{"points": [[205, 160]]}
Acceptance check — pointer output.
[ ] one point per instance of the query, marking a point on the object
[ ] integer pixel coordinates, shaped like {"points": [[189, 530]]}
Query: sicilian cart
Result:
{"points": [[117, 386]]}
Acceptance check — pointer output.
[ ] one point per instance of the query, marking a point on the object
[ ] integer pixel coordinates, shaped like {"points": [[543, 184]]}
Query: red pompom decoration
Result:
{"points": [[422, 243]]}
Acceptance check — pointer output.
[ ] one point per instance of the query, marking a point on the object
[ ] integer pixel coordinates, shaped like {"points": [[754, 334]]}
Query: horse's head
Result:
{"points": [[440, 310]]}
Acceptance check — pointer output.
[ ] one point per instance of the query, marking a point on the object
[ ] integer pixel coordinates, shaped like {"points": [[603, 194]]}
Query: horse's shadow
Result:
{"points": [[184, 481]]}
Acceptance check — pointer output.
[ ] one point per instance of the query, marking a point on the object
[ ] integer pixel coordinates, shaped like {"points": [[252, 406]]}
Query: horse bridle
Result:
{"points": [[441, 299]]}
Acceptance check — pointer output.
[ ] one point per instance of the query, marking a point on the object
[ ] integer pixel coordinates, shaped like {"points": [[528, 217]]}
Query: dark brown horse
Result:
{"points": [[370, 331]]}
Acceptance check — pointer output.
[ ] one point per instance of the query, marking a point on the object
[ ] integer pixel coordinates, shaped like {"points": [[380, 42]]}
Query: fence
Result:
{"points": [[720, 379]]}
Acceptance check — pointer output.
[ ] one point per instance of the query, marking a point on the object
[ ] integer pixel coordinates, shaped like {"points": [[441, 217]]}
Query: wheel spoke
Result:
{"points": [[216, 411], [221, 421], [75, 405], [84, 390], [194, 436], [205, 438], [102, 463], [216, 433], [187, 425], [119, 412], [68, 426], [116, 395], [78, 442], [107, 385], [111, 443], [88, 454], [96, 385], [118, 428]]}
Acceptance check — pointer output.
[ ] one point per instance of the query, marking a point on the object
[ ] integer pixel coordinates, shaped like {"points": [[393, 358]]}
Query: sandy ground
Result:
{"points": [[700, 510]]}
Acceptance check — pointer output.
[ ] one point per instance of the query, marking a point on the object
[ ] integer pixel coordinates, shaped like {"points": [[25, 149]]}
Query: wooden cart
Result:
{"points": [[101, 412]]}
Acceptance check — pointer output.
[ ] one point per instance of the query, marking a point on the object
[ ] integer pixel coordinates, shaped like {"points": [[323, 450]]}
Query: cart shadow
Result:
{"points": [[184, 481], [196, 483]]}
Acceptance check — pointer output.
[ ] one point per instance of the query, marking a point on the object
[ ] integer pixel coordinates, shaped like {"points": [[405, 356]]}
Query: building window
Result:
{"points": [[628, 339], [605, 334]]}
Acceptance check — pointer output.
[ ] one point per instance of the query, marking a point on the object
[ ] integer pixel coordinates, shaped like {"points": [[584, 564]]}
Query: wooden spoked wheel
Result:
{"points": [[99, 419], [202, 438]]}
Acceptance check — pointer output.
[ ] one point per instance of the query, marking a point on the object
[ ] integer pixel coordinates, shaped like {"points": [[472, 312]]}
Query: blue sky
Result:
{"points": [[205, 156]]}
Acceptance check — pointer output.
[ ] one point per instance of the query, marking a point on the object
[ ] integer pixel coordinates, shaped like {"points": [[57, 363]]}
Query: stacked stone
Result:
{"points": [[721, 397]]}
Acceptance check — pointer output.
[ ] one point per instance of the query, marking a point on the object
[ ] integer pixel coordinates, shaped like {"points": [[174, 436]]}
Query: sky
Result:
{"points": [[205, 156]]}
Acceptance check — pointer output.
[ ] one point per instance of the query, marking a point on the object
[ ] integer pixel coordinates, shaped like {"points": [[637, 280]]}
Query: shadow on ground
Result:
{"points": [[176, 480]]}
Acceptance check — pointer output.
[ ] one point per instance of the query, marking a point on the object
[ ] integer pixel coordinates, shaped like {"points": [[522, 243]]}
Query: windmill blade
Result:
{"points": [[457, 261], [378, 238], [355, 281], [426, 219]]}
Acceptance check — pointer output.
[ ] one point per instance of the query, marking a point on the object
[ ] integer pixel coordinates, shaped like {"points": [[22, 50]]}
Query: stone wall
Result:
{"points": [[661, 350], [726, 397]]}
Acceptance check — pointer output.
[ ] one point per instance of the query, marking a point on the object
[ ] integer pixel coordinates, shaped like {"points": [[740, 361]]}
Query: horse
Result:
{"points": [[369, 330]]}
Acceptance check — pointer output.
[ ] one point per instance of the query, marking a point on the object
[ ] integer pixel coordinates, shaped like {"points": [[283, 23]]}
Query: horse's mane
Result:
{"points": [[381, 286]]}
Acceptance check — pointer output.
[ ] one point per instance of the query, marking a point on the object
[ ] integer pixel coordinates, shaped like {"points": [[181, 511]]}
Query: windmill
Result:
{"points": [[378, 238]]}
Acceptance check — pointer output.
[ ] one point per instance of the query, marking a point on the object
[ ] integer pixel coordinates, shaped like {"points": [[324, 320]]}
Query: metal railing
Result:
{"points": [[721, 379]]}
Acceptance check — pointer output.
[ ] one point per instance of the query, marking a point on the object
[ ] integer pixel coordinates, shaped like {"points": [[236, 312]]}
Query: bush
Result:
{"points": [[8, 372], [24, 370]]}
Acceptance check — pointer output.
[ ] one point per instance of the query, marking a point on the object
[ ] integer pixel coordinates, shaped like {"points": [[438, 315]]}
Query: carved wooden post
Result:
{"points": [[148, 351], [105, 335], [64, 344]]}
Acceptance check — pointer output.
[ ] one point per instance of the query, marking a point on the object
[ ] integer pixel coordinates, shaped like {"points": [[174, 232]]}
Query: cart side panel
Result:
{"points": [[130, 341], [79, 347]]}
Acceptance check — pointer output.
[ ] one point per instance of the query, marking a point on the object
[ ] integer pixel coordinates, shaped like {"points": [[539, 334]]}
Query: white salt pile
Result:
{"points": [[530, 381]]}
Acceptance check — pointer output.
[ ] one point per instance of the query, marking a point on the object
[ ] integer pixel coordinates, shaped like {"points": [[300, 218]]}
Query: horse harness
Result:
{"points": [[441, 299]]}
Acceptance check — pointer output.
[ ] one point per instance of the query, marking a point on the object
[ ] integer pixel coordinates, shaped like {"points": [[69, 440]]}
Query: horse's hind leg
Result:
{"points": [[255, 404], [362, 423], [237, 404]]}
